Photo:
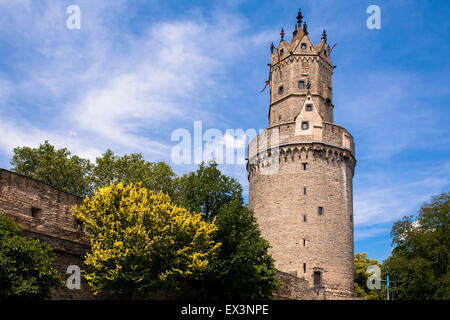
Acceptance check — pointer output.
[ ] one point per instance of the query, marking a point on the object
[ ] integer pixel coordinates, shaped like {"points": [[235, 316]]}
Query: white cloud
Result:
{"points": [[119, 89], [387, 201]]}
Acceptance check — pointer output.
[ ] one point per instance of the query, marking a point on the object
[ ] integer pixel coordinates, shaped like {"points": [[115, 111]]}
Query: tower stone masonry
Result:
{"points": [[300, 169]]}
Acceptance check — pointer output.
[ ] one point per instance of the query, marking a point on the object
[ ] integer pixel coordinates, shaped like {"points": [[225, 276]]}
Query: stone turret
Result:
{"points": [[300, 169]]}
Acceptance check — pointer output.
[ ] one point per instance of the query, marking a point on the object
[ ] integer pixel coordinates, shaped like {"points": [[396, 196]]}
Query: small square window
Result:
{"points": [[281, 90], [35, 212], [305, 125], [308, 107], [303, 46], [320, 211], [301, 84]]}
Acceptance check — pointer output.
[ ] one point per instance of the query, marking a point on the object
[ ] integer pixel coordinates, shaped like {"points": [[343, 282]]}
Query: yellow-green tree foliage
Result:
{"points": [[141, 241]]}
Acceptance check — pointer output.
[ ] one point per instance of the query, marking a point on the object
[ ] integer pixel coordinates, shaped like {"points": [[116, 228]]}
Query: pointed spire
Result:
{"points": [[324, 36], [305, 28], [299, 17], [282, 34], [272, 47]]}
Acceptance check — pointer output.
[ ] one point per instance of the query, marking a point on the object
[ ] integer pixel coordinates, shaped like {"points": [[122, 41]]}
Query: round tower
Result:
{"points": [[300, 169]]}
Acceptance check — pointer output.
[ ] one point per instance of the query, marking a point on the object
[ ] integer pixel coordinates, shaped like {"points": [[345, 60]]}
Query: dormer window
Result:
{"points": [[301, 84], [281, 52], [308, 107], [303, 46], [305, 125], [280, 90]]}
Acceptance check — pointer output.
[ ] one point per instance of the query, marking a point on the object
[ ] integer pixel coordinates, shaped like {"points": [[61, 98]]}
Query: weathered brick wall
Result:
{"points": [[53, 224]]}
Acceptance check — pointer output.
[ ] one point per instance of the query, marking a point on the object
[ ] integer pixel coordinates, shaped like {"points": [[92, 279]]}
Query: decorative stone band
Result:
{"points": [[305, 150]]}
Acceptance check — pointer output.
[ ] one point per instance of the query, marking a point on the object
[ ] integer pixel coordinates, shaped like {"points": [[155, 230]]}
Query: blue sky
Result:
{"points": [[137, 70]]}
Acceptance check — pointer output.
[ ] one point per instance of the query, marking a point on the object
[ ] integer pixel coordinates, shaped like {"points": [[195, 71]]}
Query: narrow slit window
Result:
{"points": [[304, 191], [304, 267], [304, 165], [304, 218], [320, 211], [304, 242]]}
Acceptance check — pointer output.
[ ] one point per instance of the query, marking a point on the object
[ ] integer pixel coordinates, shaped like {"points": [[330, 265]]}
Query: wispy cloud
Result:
{"points": [[126, 90]]}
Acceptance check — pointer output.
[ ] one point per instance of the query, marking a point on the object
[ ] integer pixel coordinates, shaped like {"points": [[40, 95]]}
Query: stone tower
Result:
{"points": [[300, 169]]}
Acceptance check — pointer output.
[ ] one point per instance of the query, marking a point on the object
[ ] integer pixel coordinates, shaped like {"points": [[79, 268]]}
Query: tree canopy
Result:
{"points": [[419, 260], [361, 263], [243, 268], [25, 265], [132, 168], [141, 241], [70, 173], [57, 167]]}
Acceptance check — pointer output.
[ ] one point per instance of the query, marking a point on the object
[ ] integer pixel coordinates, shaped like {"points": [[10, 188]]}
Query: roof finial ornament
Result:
{"points": [[272, 47], [305, 28], [324, 35], [282, 34], [299, 18]]}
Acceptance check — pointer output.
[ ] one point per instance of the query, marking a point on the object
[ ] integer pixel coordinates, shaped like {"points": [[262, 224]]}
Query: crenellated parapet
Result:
{"points": [[306, 152]]}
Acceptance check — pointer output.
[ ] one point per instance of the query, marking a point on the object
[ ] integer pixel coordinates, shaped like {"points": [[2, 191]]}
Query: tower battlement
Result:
{"points": [[300, 169]]}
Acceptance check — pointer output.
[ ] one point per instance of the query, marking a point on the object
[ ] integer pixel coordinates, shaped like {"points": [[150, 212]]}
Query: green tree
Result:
{"points": [[56, 167], [243, 268], [141, 241], [132, 168], [419, 260], [361, 263], [25, 265], [207, 190]]}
